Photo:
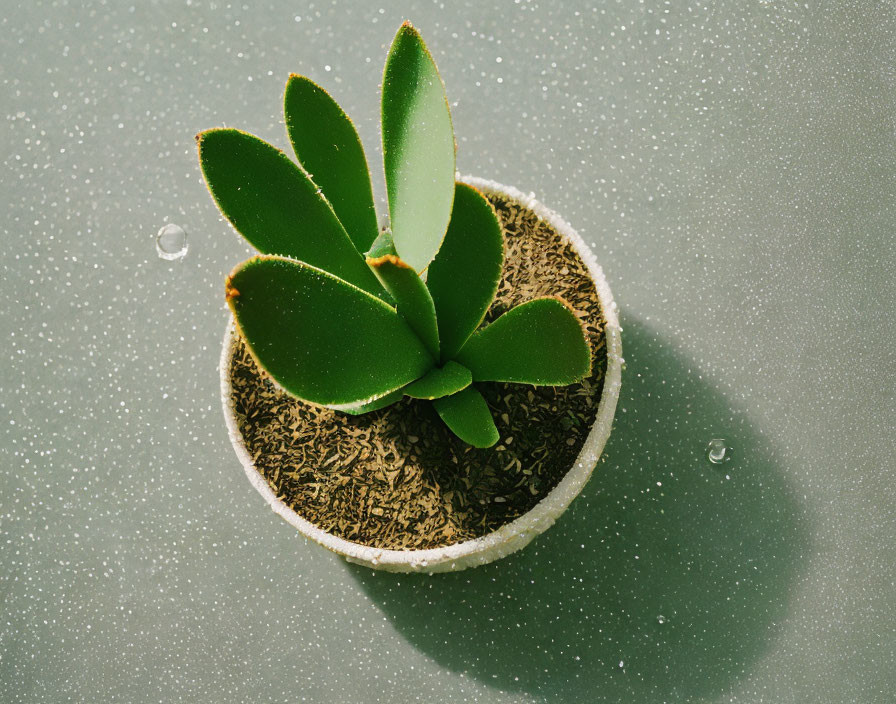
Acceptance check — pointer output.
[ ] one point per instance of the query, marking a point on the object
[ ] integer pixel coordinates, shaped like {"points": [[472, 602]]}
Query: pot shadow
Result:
{"points": [[665, 580]]}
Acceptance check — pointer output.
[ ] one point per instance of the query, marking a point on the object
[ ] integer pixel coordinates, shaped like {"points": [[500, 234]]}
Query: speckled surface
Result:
{"points": [[730, 163]]}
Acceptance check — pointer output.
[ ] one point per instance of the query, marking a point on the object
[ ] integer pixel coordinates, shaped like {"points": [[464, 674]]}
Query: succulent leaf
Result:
{"points": [[467, 415], [464, 276], [418, 149], [276, 206], [440, 381], [328, 148], [539, 342], [320, 338], [357, 409], [411, 296], [382, 246], [357, 332]]}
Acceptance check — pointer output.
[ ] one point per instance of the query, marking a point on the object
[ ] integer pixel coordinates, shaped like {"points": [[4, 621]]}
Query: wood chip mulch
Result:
{"points": [[397, 478]]}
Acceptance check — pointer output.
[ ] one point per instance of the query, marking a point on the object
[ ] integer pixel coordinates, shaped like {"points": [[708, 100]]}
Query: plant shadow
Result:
{"points": [[665, 580]]}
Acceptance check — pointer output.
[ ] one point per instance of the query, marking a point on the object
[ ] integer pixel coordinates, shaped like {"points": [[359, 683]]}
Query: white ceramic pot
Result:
{"points": [[519, 532]]}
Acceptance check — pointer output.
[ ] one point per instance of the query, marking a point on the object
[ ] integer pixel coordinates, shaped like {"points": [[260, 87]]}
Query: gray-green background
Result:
{"points": [[732, 164]]}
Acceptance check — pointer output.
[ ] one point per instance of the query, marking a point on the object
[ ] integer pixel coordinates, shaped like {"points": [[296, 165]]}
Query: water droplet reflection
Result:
{"points": [[718, 451], [171, 242]]}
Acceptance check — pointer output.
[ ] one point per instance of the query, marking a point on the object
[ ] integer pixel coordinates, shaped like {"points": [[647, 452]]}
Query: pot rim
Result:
{"points": [[511, 536]]}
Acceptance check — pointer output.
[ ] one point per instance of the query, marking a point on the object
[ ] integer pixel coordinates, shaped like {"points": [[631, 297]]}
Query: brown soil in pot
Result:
{"points": [[398, 478]]}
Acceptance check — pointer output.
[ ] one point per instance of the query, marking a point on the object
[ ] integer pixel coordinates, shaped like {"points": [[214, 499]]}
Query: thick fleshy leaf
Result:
{"points": [[539, 342], [467, 415], [320, 338], [440, 381], [411, 296], [357, 409], [328, 148], [276, 207], [382, 245], [464, 276], [418, 149]]}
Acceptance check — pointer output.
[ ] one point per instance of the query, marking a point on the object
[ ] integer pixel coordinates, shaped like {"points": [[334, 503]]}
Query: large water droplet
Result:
{"points": [[661, 619], [718, 451], [171, 242]]}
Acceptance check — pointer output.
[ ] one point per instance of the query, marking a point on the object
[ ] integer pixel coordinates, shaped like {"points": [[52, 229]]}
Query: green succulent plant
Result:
{"points": [[345, 316]]}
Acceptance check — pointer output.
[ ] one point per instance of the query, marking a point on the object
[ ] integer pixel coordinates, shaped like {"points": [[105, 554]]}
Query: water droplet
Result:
{"points": [[718, 451], [661, 619], [171, 242]]}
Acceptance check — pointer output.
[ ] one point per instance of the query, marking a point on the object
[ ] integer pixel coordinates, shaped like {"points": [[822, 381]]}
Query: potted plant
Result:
{"points": [[426, 396]]}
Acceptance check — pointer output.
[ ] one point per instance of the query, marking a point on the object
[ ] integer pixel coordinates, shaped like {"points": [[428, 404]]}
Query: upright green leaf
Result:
{"points": [[440, 381], [328, 147], [539, 342], [275, 206], [467, 415], [411, 296], [418, 149], [322, 339], [464, 276]]}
